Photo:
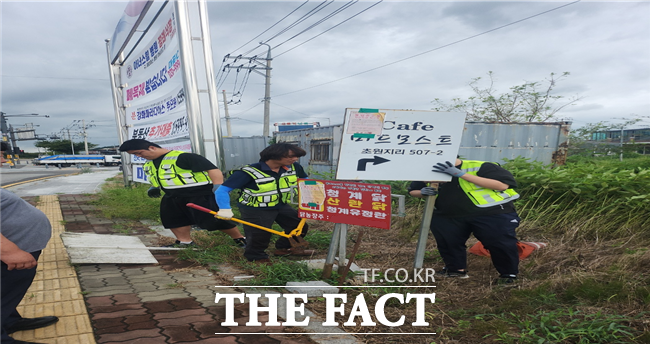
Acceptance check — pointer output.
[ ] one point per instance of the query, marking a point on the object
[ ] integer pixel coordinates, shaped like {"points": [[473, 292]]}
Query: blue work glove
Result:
{"points": [[428, 191], [447, 168], [153, 192]]}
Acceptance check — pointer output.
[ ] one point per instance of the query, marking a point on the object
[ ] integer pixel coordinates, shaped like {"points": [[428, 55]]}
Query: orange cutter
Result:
{"points": [[294, 236]]}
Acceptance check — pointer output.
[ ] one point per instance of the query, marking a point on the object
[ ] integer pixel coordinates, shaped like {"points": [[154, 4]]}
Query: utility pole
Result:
{"points": [[267, 91], [226, 114], [83, 132], [8, 130], [83, 127], [267, 83], [70, 138]]}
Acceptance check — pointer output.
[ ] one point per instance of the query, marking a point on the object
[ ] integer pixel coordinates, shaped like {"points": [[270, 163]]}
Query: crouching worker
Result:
{"points": [[185, 178], [479, 200], [265, 196]]}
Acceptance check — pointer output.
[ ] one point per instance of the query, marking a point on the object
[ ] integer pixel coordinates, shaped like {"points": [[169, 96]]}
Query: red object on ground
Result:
{"points": [[525, 249]]}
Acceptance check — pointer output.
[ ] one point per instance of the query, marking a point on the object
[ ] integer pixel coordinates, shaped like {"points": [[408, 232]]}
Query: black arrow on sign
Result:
{"points": [[361, 166]]}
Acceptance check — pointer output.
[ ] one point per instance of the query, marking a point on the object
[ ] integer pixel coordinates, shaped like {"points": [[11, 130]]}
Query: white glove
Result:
{"points": [[225, 213]]}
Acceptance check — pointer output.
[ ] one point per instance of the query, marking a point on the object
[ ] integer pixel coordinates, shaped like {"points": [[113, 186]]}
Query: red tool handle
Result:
{"points": [[198, 207]]}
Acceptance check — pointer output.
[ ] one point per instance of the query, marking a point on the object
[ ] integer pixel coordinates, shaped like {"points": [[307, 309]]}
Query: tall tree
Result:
{"points": [[529, 102], [63, 146]]}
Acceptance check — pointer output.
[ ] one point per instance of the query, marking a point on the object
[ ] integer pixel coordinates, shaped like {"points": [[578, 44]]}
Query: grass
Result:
{"points": [[565, 325], [117, 201], [280, 273], [589, 285]]}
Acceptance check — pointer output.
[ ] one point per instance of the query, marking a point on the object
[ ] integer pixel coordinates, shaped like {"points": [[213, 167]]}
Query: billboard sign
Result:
{"points": [[398, 144], [154, 94], [345, 202]]}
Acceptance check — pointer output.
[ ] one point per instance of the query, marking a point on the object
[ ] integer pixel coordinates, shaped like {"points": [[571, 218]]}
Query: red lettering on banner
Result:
{"points": [[345, 202]]}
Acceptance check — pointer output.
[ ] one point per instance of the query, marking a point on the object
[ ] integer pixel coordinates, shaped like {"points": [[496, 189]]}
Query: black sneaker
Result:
{"points": [[506, 279], [240, 242], [453, 274], [179, 244]]}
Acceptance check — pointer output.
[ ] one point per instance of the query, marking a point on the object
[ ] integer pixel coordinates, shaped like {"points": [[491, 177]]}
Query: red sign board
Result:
{"points": [[345, 202]]}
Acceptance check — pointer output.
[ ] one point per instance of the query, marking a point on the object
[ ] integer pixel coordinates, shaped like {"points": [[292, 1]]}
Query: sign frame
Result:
{"points": [[379, 144]]}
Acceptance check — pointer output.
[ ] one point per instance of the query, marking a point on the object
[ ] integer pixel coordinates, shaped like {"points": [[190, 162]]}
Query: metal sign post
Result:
{"points": [[382, 144], [424, 232]]}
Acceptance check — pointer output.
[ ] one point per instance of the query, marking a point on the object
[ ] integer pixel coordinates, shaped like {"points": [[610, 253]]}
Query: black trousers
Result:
{"points": [[257, 240], [14, 287], [496, 232]]}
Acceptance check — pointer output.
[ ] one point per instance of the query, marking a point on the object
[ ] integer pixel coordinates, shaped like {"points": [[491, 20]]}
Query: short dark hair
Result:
{"points": [[136, 144], [5, 146], [281, 150]]}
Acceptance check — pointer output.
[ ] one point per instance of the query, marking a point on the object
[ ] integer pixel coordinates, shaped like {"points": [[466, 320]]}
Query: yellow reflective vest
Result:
{"points": [[271, 192], [482, 197], [170, 176]]}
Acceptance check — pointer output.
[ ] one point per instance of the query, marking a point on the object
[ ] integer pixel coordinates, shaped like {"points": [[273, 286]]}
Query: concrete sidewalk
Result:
{"points": [[169, 302], [56, 290]]}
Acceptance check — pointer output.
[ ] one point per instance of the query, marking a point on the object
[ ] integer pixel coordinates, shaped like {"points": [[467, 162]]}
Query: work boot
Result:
{"points": [[454, 274], [264, 261], [240, 242], [506, 279], [25, 324], [294, 251]]}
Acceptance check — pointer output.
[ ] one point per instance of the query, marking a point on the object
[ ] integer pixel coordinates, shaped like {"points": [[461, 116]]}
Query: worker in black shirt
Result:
{"points": [[185, 178], [478, 201], [266, 188]]}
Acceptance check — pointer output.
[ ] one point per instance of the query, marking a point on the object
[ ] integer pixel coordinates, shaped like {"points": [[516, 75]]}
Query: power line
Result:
{"points": [[431, 50], [304, 17], [322, 20], [286, 51], [50, 77], [282, 106], [278, 22]]}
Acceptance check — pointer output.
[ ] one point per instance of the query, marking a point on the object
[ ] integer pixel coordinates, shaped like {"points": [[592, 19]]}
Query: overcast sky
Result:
{"points": [[394, 55]]}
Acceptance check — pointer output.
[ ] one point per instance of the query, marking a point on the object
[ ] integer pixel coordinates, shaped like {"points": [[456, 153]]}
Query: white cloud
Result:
{"points": [[54, 58]]}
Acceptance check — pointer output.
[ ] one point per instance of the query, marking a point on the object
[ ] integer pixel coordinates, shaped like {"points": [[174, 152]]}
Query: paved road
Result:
{"points": [[21, 173], [84, 183]]}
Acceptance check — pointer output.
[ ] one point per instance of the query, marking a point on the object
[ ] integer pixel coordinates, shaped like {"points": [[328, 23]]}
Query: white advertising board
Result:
{"points": [[154, 92], [382, 144], [138, 174], [137, 170]]}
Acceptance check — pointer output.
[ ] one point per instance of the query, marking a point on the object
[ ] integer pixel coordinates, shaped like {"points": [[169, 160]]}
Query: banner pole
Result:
{"points": [[424, 232], [331, 253]]}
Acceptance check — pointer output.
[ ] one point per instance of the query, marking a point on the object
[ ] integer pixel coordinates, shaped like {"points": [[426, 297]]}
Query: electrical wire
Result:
{"points": [[431, 50], [243, 112], [304, 17], [322, 20], [286, 51], [296, 111], [144, 33], [278, 22]]}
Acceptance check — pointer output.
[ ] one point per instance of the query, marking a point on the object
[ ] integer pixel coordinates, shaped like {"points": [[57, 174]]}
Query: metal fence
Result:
{"points": [[544, 142], [241, 151]]}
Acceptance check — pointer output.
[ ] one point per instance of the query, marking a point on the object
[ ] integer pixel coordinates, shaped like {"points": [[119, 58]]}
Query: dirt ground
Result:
{"points": [[459, 300], [395, 249]]}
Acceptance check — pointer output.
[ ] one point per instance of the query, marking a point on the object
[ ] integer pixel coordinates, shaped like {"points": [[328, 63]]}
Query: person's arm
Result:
{"points": [[222, 196], [14, 257], [421, 190], [485, 182], [449, 168], [216, 176]]}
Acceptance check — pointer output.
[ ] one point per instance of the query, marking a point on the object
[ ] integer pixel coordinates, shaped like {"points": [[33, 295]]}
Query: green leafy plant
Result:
{"points": [[130, 203], [565, 326], [281, 272]]}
